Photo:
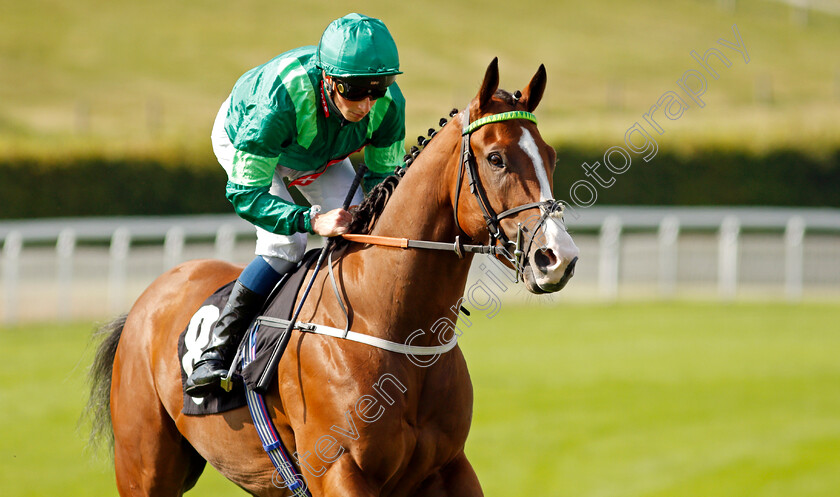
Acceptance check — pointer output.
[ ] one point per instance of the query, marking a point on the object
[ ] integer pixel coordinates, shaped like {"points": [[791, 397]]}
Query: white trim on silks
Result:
{"points": [[400, 348]]}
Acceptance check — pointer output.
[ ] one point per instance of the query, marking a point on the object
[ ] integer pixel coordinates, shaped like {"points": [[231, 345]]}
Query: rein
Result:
{"points": [[405, 243]]}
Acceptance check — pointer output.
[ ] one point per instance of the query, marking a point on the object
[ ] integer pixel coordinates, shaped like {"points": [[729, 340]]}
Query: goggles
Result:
{"points": [[356, 89]]}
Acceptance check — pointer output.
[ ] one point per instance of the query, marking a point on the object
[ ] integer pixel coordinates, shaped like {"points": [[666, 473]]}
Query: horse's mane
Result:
{"points": [[367, 213]]}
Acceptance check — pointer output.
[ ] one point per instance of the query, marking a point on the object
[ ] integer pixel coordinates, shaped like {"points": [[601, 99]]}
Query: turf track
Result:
{"points": [[573, 400]]}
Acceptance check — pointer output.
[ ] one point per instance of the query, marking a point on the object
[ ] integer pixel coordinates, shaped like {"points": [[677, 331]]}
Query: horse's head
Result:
{"points": [[504, 192]]}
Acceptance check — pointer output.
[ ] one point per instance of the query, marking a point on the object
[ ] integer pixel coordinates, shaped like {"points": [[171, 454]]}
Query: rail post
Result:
{"points": [[669, 232], [173, 247], [117, 280], [12, 246], [730, 230], [65, 247], [225, 242], [794, 254], [609, 244]]}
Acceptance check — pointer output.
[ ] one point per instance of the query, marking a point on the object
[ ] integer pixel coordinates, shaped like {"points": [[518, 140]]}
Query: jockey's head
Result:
{"points": [[359, 60]]}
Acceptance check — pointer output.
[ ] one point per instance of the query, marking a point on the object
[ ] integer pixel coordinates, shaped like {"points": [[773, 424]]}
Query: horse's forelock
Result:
{"points": [[505, 97]]}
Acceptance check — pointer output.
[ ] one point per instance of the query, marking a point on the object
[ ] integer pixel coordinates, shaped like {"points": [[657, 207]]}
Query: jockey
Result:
{"points": [[299, 116]]}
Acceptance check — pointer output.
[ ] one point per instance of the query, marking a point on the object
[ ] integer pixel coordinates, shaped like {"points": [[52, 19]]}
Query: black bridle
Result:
{"points": [[492, 220]]}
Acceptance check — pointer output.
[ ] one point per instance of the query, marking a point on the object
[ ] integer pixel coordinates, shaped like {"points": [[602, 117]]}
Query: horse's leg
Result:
{"points": [[150, 455], [455, 479], [344, 478], [151, 460]]}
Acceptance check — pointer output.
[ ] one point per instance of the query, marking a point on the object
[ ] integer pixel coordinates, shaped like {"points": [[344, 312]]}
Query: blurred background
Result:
{"points": [[694, 352]]}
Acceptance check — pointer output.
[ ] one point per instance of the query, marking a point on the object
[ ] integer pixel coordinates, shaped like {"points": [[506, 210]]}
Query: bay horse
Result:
{"points": [[415, 447]]}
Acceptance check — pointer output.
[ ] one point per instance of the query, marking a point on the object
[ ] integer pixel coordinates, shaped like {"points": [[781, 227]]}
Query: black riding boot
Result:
{"points": [[212, 366]]}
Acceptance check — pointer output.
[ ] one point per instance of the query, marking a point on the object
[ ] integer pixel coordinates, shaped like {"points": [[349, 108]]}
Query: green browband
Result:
{"points": [[504, 116]]}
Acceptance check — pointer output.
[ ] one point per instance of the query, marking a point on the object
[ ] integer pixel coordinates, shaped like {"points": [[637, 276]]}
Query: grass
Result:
{"points": [[43, 448], [629, 400], [125, 77], [658, 400]]}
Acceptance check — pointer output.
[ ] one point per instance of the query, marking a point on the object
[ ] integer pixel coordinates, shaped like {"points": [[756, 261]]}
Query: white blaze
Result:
{"points": [[528, 145], [554, 235]]}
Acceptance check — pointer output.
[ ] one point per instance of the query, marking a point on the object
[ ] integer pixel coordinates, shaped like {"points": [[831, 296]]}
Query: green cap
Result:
{"points": [[358, 45]]}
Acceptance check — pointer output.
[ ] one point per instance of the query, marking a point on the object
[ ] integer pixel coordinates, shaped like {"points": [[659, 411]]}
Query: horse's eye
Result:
{"points": [[495, 159]]}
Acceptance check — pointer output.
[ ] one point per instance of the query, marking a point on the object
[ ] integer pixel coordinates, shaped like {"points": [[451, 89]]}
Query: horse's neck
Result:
{"points": [[421, 285], [421, 206]]}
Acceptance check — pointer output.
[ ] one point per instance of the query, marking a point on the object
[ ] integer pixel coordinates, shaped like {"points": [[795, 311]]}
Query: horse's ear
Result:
{"points": [[490, 83], [533, 93]]}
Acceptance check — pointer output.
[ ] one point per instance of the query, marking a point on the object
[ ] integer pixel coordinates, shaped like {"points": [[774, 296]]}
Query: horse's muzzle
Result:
{"points": [[534, 286]]}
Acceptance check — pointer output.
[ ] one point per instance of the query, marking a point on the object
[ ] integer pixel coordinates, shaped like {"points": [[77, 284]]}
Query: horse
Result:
{"points": [[360, 420]]}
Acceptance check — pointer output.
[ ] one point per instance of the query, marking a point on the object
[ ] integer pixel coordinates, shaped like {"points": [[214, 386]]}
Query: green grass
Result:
{"points": [[629, 400], [43, 447], [658, 400], [125, 77]]}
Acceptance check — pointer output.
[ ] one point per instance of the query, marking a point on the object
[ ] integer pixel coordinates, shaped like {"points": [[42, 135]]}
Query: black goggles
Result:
{"points": [[360, 89]]}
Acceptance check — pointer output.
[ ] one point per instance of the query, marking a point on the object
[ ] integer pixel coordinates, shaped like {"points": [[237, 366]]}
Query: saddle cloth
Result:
{"points": [[197, 336]]}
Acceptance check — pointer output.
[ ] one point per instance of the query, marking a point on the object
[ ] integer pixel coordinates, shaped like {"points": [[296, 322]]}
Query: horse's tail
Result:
{"points": [[99, 378]]}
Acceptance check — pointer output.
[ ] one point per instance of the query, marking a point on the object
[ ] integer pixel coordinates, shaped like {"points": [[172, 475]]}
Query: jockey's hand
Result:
{"points": [[333, 223]]}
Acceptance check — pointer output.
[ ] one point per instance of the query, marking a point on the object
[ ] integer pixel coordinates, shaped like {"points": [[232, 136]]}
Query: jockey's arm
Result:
{"points": [[248, 191], [381, 163]]}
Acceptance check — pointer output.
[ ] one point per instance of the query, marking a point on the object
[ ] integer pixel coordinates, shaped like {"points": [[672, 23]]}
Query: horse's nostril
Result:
{"points": [[544, 259]]}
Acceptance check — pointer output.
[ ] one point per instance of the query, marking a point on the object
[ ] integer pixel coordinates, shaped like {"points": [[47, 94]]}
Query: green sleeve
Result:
{"points": [[252, 170], [261, 118], [269, 212], [386, 143], [384, 160]]}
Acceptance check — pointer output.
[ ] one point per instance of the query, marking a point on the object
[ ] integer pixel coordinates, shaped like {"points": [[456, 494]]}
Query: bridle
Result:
{"points": [[513, 251], [492, 220]]}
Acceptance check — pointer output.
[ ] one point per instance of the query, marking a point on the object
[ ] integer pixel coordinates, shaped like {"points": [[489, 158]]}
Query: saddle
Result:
{"points": [[197, 336]]}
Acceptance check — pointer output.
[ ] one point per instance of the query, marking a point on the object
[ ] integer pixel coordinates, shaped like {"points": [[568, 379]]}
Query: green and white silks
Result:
{"points": [[277, 115]]}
